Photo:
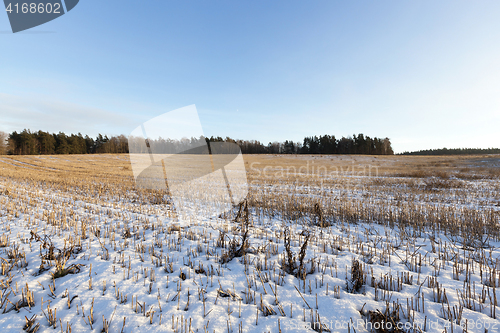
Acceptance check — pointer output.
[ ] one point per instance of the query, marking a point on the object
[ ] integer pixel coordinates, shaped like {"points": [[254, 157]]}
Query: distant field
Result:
{"points": [[320, 244], [58, 167]]}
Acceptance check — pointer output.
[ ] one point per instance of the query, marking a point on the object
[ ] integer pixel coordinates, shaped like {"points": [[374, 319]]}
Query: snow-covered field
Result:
{"points": [[82, 250]]}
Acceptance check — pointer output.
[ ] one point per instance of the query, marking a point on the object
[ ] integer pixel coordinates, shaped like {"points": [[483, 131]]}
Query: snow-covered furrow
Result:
{"points": [[141, 269]]}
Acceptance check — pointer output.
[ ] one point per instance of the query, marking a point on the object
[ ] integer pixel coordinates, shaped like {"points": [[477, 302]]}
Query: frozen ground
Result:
{"points": [[83, 250], [140, 269]]}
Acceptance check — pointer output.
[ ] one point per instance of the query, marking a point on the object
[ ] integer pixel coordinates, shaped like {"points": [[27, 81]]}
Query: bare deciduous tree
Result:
{"points": [[3, 143]]}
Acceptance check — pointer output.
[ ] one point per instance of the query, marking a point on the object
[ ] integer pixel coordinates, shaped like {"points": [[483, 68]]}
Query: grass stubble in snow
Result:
{"points": [[322, 243]]}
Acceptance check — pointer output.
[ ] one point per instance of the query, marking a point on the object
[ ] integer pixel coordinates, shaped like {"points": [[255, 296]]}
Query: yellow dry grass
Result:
{"points": [[459, 193]]}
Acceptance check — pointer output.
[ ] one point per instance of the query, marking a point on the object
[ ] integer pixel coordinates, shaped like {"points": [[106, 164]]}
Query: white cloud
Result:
{"points": [[39, 113]]}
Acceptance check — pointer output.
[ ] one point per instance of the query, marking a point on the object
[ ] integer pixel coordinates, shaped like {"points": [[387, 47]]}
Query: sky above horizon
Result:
{"points": [[425, 74]]}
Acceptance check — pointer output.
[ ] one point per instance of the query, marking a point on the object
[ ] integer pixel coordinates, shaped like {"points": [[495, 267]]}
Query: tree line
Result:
{"points": [[35, 143], [44, 143], [324, 144]]}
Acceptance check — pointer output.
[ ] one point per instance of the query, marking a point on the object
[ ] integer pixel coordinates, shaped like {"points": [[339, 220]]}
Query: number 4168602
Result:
{"points": [[34, 8]]}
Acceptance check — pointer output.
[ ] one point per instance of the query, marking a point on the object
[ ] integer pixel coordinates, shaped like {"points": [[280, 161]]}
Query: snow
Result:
{"points": [[133, 267]]}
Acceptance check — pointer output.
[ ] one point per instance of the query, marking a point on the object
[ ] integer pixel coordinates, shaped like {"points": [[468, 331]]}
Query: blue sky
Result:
{"points": [[424, 73]]}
